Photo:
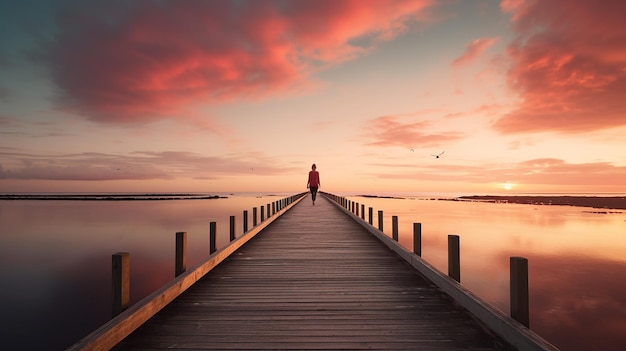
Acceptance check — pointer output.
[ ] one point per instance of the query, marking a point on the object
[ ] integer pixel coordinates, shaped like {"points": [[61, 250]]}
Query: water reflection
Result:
{"points": [[577, 267], [579, 301], [57, 257]]}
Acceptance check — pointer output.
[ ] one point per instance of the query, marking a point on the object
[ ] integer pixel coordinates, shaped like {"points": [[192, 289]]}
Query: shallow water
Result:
{"points": [[56, 259]]}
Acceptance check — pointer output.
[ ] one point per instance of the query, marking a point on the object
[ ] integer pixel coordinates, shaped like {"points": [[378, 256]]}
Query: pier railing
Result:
{"points": [[127, 319], [515, 328]]}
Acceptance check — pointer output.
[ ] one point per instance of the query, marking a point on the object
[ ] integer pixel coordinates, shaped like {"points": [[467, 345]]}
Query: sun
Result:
{"points": [[508, 186]]}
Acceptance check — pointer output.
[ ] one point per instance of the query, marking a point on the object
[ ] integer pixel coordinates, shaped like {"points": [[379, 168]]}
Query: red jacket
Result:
{"points": [[314, 179]]}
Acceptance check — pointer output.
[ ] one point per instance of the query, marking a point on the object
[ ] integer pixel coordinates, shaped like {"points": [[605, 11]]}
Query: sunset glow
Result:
{"points": [[225, 96], [508, 186]]}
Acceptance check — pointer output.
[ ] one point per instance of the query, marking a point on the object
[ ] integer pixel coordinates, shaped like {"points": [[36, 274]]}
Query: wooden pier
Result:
{"points": [[314, 279]]}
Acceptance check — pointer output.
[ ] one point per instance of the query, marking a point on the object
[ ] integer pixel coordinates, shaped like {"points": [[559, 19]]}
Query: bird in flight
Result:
{"points": [[437, 156]]}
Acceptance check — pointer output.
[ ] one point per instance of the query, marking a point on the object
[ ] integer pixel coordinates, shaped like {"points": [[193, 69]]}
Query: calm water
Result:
{"points": [[56, 260], [576, 259]]}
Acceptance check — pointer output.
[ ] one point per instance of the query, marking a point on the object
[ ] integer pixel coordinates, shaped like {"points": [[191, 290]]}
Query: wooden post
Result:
{"points": [[232, 228], [417, 239], [212, 237], [254, 214], [380, 220], [394, 227], [273, 208], [357, 209], [245, 221], [352, 206], [363, 211], [121, 282], [454, 258], [262, 213], [519, 290], [268, 210], [371, 216], [181, 253]]}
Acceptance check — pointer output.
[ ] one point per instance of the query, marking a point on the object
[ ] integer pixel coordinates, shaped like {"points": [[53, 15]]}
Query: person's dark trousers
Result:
{"points": [[313, 192]]}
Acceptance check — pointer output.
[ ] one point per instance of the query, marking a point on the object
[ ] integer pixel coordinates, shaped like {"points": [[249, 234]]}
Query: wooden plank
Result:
{"points": [[112, 332], [313, 279], [505, 326]]}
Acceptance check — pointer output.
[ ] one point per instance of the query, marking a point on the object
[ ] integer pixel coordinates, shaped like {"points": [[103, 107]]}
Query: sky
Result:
{"points": [[516, 96]]}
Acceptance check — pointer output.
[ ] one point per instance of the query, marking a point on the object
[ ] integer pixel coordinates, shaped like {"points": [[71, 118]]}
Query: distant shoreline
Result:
{"points": [[601, 202], [382, 197], [598, 202], [109, 197]]}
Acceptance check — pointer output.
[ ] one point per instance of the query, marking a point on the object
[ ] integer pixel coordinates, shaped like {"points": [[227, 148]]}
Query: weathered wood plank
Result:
{"points": [[313, 279], [112, 332], [506, 327]]}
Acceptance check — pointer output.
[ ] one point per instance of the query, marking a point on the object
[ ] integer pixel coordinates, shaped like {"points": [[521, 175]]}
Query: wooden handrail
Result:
{"points": [[122, 325], [507, 327]]}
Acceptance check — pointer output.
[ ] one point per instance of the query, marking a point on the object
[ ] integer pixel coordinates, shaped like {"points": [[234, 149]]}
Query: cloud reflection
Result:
{"points": [[588, 299]]}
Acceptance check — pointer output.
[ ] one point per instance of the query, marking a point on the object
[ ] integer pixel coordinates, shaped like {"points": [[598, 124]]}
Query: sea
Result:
{"points": [[55, 256]]}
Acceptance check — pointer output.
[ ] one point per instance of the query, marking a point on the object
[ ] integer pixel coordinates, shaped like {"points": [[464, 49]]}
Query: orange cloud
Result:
{"points": [[389, 131], [568, 66], [473, 50], [142, 61]]}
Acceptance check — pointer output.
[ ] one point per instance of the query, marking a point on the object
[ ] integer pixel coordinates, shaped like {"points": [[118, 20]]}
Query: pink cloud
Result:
{"points": [[148, 60], [390, 131], [568, 66], [512, 6], [473, 50]]}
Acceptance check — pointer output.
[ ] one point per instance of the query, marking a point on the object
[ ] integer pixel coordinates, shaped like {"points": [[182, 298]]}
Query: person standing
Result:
{"points": [[314, 182]]}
